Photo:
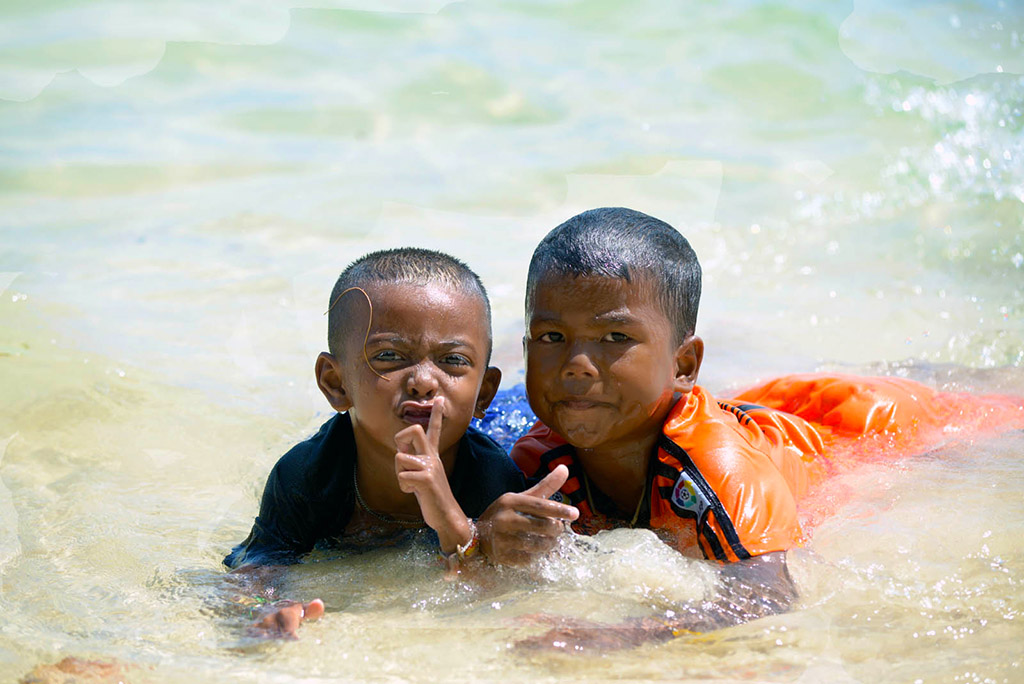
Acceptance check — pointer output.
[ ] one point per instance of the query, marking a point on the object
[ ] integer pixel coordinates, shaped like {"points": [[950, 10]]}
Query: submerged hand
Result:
{"points": [[420, 471], [284, 618], [517, 527], [581, 636]]}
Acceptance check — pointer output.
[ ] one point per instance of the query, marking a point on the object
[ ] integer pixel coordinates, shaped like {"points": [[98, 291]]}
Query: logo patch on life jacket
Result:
{"points": [[687, 496]]}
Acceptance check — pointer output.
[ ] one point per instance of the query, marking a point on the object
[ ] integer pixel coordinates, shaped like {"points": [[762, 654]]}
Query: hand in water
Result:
{"points": [[284, 617], [420, 471], [575, 635], [518, 527], [596, 637]]}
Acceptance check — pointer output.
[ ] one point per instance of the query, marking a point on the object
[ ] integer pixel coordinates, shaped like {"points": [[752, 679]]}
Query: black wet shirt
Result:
{"points": [[309, 496]]}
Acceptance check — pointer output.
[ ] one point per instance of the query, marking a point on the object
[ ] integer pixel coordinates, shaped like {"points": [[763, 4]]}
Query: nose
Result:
{"points": [[579, 364], [422, 381]]}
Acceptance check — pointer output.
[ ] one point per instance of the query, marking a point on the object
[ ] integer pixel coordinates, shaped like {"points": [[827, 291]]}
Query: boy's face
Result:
{"points": [[424, 341], [602, 364]]}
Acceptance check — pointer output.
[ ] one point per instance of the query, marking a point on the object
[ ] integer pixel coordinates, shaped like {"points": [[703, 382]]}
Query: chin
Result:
{"points": [[582, 436]]}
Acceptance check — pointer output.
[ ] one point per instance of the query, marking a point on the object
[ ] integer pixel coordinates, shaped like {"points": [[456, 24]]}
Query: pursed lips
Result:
{"points": [[415, 413]]}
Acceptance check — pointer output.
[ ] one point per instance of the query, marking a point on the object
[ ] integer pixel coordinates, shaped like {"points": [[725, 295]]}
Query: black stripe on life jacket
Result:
{"points": [[728, 530], [711, 538], [580, 495]]}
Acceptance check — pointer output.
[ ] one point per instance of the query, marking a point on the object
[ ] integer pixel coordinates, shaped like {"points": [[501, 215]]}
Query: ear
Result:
{"points": [[329, 380], [488, 388], [689, 355]]}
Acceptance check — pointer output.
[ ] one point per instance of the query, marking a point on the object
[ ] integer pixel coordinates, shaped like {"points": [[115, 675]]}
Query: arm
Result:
{"points": [[513, 529], [258, 565], [752, 588], [255, 587]]}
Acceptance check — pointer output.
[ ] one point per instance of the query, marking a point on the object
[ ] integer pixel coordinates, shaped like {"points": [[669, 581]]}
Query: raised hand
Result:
{"points": [[420, 471], [518, 527]]}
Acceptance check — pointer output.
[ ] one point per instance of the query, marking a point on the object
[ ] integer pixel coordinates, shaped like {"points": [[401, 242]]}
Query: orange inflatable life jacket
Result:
{"points": [[728, 475]]}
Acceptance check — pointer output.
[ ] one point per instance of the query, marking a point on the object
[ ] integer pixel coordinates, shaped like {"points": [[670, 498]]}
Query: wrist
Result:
{"points": [[463, 550], [458, 530]]}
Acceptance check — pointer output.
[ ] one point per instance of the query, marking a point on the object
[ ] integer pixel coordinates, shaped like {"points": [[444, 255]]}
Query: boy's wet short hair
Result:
{"points": [[615, 242], [412, 265]]}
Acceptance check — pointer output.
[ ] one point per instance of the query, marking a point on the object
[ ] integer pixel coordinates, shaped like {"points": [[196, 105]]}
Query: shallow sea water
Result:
{"points": [[180, 184]]}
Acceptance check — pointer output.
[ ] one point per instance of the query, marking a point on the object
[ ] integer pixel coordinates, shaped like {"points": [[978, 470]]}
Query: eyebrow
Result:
{"points": [[618, 316], [386, 339], [614, 317], [398, 340], [452, 344]]}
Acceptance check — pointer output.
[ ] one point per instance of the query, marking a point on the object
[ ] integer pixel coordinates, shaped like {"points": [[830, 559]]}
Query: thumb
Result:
{"points": [[313, 610], [550, 484]]}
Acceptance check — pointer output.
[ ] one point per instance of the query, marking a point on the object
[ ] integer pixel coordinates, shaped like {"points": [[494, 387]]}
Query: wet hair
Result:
{"points": [[402, 265], [614, 242]]}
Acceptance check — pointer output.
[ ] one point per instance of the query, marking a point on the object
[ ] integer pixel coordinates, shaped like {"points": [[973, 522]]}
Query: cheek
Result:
{"points": [[642, 375], [540, 363]]}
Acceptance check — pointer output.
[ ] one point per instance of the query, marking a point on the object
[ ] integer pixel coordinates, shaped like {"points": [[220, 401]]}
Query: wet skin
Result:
{"points": [[603, 369], [425, 341], [411, 391]]}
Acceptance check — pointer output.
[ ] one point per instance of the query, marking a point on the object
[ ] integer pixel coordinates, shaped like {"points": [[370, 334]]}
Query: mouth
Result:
{"points": [[416, 413], [580, 404]]}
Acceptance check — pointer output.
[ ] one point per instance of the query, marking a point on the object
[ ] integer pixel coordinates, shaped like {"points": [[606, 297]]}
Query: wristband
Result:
{"points": [[464, 551]]}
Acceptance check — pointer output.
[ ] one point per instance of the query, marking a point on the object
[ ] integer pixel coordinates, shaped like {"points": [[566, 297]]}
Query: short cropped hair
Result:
{"points": [[402, 265], [615, 242]]}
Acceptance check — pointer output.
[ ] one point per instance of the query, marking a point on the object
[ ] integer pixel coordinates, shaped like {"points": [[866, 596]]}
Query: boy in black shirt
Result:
{"points": [[409, 339]]}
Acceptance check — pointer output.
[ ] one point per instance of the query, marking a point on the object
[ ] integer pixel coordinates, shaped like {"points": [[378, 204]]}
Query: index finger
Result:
{"points": [[551, 483], [537, 507], [434, 426]]}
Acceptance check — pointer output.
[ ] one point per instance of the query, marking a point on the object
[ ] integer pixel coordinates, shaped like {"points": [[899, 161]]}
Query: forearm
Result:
{"points": [[750, 589], [250, 588], [255, 593]]}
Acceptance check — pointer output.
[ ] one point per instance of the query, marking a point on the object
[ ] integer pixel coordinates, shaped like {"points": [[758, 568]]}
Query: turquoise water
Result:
{"points": [[180, 183]]}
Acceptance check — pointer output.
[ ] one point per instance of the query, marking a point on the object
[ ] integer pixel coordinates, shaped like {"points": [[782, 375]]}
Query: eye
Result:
{"points": [[387, 355], [551, 337], [455, 360], [616, 337]]}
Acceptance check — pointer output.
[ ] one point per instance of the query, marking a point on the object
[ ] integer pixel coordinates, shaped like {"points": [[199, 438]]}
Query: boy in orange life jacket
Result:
{"points": [[611, 369]]}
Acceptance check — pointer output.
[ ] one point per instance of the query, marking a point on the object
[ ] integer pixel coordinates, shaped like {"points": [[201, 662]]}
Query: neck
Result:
{"points": [[619, 471]]}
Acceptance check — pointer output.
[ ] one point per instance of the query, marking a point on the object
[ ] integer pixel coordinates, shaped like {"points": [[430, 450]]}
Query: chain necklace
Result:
{"points": [[639, 504], [383, 517]]}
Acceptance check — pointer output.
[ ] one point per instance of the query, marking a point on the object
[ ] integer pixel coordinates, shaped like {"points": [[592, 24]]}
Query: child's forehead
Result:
{"points": [[596, 298], [412, 309], [427, 292], [593, 290]]}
